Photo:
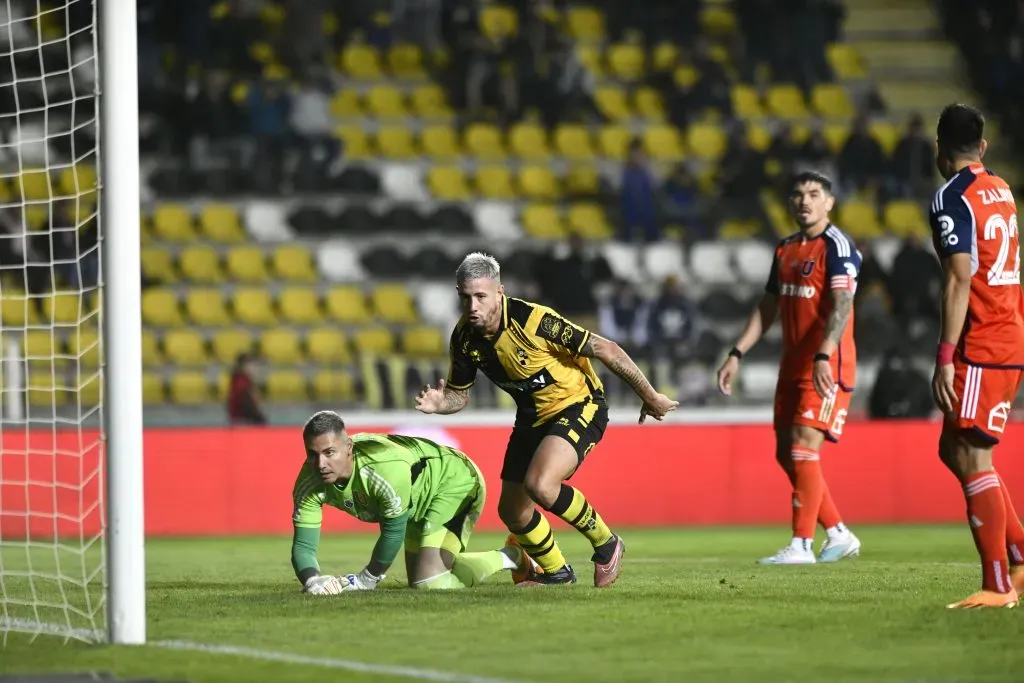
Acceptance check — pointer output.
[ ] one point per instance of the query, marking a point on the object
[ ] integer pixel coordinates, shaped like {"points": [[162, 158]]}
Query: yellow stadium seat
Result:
{"points": [[706, 141], [63, 308], [84, 344], [859, 219], [160, 307], [333, 385], [37, 217], [614, 142], [582, 180], [41, 348], [528, 141], [685, 76], [905, 218], [200, 264], [626, 61], [189, 387], [538, 182], [227, 345], [738, 230], [44, 391], [573, 142], [786, 101], [173, 223], [845, 61], [831, 100], [612, 102], [440, 142], [483, 141], [327, 347], [664, 57], [497, 22], [384, 101], [287, 386], [17, 310], [300, 305], [221, 223], [429, 102], [887, 135], [89, 389], [423, 341], [207, 307], [543, 221], [361, 62], [584, 23], [280, 347], [374, 339], [36, 185], [247, 265], [663, 143], [396, 142], [648, 104], [836, 134], [185, 348], [717, 20], [448, 182], [355, 142], [589, 56], [746, 103], [153, 389], [347, 304], [254, 306], [346, 104], [78, 180], [394, 304], [151, 353], [405, 61], [294, 263], [588, 220], [158, 265], [495, 182]]}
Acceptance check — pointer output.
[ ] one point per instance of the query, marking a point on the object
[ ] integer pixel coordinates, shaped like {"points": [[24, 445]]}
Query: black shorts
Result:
{"points": [[581, 424]]}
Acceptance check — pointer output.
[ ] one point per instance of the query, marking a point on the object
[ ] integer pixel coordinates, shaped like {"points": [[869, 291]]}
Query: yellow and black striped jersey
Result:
{"points": [[534, 357]]}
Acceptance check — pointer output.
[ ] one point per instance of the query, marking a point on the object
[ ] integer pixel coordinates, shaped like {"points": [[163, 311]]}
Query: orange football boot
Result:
{"points": [[983, 599], [528, 569]]}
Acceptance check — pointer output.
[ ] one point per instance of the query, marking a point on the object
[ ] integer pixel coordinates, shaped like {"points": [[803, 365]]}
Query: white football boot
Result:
{"points": [[840, 547], [794, 553]]}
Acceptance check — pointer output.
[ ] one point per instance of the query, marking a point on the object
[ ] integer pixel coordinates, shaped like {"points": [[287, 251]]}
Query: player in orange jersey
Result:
{"points": [[980, 357], [811, 288]]}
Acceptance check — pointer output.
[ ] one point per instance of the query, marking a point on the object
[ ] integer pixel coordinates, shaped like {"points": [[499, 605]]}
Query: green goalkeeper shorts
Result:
{"points": [[452, 512]]}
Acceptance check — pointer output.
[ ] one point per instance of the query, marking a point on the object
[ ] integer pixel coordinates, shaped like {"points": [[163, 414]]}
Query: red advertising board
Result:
{"points": [[239, 480]]}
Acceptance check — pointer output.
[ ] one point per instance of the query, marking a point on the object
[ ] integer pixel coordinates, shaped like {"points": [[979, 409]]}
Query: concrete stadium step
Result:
{"points": [[913, 59], [902, 97], [911, 18]]}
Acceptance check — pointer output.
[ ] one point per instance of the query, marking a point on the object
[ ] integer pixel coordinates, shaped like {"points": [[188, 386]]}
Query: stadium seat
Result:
{"points": [[78, 180], [173, 223], [429, 102], [664, 259], [403, 182], [613, 102], [43, 391], [227, 345], [373, 340], [84, 344], [338, 261], [905, 218], [396, 142], [758, 381], [266, 222], [626, 61], [685, 76], [423, 341], [36, 185], [347, 305], [294, 263], [584, 23], [200, 264], [346, 103], [440, 142], [438, 304], [590, 58], [588, 220], [247, 265], [754, 261], [483, 141], [582, 181], [158, 265], [405, 61], [496, 220], [448, 183], [664, 56], [572, 141], [394, 304], [495, 182], [280, 347], [887, 135], [300, 305], [845, 61], [151, 353], [614, 142], [355, 142], [528, 141], [717, 20], [663, 143], [153, 389], [17, 310], [41, 348], [221, 223], [361, 62], [624, 260], [327, 347], [185, 348], [333, 385], [189, 387], [498, 22], [858, 218], [160, 307], [207, 307], [254, 306], [648, 104], [64, 308], [543, 221], [786, 101], [711, 263], [706, 141], [538, 182], [836, 134], [287, 386], [831, 100]]}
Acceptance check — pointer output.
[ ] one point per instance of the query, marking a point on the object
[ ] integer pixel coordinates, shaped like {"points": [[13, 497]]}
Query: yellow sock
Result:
{"points": [[538, 540], [572, 506]]}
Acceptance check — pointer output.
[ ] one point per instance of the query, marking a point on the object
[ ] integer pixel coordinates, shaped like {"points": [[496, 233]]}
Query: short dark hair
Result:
{"points": [[323, 422], [811, 177], [960, 128]]}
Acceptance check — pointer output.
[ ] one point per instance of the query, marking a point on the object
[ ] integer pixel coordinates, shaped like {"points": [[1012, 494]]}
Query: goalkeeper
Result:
{"points": [[422, 494]]}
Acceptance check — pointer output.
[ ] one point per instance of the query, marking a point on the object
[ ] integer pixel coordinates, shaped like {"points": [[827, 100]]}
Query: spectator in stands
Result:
{"points": [[740, 179], [784, 150], [214, 117], [913, 161], [639, 210], [915, 282], [243, 397], [900, 391], [311, 120], [816, 154], [304, 41], [861, 161], [567, 278], [492, 71], [673, 323], [713, 90], [682, 203], [269, 109], [623, 318]]}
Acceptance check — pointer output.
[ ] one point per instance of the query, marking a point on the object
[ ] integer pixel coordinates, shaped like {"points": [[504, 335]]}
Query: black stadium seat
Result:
{"points": [[358, 180], [311, 221], [433, 262], [403, 218], [357, 220], [386, 262], [452, 220]]}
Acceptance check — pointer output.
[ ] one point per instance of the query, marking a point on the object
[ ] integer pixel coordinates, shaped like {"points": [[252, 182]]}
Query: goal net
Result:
{"points": [[52, 515]]}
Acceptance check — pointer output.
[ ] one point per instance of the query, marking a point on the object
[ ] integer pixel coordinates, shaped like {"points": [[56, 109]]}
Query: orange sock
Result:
{"points": [[808, 489], [1014, 529], [986, 513], [828, 515]]}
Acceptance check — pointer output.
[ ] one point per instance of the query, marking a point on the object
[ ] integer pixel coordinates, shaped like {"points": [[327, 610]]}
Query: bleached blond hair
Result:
{"points": [[476, 266]]}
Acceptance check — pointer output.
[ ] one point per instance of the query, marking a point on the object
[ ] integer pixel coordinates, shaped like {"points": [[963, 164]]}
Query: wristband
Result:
{"points": [[944, 354], [821, 356], [736, 353]]}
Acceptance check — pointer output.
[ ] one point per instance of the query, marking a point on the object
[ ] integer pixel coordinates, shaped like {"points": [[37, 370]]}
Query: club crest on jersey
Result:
{"points": [[550, 325], [476, 357], [807, 267]]}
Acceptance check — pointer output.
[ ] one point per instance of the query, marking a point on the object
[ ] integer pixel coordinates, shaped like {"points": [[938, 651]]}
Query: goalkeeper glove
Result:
{"points": [[363, 581], [324, 585]]}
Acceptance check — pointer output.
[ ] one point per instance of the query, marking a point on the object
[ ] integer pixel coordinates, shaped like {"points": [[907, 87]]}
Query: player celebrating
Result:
{"points": [[543, 361], [423, 494], [819, 362], [980, 355]]}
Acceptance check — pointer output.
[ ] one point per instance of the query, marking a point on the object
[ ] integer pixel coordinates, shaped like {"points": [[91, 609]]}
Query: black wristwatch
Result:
{"points": [[821, 356], [736, 353]]}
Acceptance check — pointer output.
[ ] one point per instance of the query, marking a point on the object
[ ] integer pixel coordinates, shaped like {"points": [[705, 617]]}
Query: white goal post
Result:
{"points": [[72, 553]]}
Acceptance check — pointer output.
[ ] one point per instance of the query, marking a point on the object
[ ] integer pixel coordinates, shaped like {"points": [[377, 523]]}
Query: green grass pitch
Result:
{"points": [[691, 605]]}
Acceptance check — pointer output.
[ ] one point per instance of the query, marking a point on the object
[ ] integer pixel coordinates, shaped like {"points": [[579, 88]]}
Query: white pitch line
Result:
{"points": [[327, 662], [723, 560]]}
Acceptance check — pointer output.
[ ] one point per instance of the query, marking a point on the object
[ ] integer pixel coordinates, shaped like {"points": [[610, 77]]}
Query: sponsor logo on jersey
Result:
{"points": [[802, 291], [533, 383]]}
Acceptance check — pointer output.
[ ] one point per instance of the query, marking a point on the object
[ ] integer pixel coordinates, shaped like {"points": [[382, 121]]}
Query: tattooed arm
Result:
{"points": [[442, 399], [619, 362], [454, 400], [842, 308]]}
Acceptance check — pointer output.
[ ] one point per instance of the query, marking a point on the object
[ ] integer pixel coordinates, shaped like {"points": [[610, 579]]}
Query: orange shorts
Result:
{"points": [[797, 403], [985, 398]]}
